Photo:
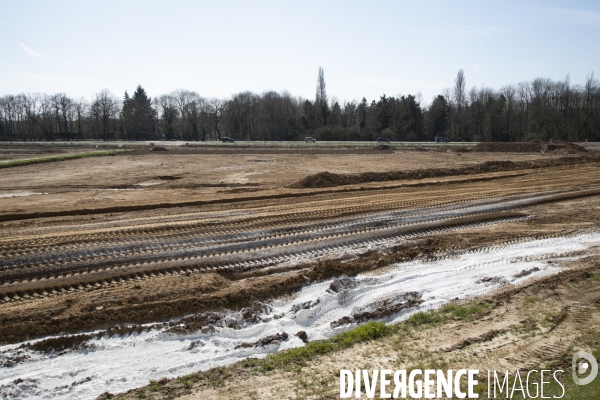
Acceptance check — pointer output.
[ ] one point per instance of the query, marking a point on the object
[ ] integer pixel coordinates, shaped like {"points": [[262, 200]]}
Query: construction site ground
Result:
{"points": [[146, 237]]}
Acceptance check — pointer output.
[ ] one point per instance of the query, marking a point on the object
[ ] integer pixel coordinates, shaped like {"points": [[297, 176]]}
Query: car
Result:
{"points": [[382, 139], [309, 139], [225, 139], [441, 139]]}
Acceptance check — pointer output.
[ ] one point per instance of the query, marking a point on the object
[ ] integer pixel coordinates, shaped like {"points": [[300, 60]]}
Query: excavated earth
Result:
{"points": [[174, 250], [79, 272]]}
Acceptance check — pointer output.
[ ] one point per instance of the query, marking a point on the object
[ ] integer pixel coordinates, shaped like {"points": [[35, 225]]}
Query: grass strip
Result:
{"points": [[299, 356], [18, 163]]}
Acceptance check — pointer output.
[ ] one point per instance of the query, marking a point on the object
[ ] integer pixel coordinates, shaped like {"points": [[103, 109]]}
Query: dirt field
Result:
{"points": [[110, 243], [188, 175]]}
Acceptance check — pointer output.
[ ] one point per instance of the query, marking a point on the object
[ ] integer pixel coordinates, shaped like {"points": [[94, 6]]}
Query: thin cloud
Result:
{"points": [[572, 15], [31, 51]]}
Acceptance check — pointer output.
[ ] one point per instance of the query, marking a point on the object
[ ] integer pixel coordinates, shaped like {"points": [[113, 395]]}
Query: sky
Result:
{"points": [[218, 48]]}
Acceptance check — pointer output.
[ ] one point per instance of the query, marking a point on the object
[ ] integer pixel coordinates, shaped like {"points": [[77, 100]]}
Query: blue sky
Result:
{"points": [[219, 48]]}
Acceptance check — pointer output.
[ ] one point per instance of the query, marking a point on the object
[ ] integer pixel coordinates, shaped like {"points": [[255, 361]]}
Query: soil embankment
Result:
{"points": [[328, 179]]}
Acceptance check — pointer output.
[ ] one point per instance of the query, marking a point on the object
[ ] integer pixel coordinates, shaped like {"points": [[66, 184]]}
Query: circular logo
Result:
{"points": [[583, 367]]}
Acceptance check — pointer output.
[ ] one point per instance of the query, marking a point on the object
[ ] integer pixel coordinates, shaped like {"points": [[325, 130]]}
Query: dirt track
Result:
{"points": [[92, 271]]}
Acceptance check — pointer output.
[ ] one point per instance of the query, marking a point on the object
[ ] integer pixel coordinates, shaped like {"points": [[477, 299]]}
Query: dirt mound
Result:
{"points": [[510, 147], [383, 147], [77, 342], [321, 179], [339, 285], [303, 336], [533, 146], [328, 179]]}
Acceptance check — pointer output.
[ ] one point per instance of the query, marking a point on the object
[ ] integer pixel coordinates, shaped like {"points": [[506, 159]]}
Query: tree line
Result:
{"points": [[541, 109]]}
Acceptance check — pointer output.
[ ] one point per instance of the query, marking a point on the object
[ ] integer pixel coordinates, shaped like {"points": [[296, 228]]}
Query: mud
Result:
{"points": [[303, 336], [75, 342], [341, 284], [381, 309], [526, 272], [208, 321], [328, 179], [271, 339], [7, 362]]}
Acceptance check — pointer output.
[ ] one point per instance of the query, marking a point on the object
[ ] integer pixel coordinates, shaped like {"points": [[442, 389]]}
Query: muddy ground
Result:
{"points": [[143, 237], [532, 326]]}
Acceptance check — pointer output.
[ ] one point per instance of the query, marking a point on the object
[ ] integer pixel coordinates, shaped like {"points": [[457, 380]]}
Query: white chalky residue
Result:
{"points": [[121, 363]]}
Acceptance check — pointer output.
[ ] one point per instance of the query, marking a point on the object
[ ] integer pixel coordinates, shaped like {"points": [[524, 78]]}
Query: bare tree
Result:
{"points": [[460, 101], [321, 98], [64, 112], [168, 107], [81, 109], [216, 109], [104, 108]]}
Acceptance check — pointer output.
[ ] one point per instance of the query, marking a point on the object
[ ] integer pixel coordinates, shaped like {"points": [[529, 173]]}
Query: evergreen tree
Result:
{"points": [[439, 115], [138, 116]]}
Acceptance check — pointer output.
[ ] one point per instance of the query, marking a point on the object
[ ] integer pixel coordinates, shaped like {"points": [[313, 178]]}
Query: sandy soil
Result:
{"points": [[161, 263], [215, 231], [144, 177]]}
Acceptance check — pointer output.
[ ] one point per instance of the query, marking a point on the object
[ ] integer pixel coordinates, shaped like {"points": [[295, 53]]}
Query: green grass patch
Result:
{"points": [[19, 163], [153, 386], [187, 381], [450, 311], [301, 355], [425, 318]]}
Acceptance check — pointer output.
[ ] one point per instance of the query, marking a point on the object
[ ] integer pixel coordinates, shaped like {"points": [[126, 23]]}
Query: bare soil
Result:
{"points": [[145, 178], [146, 237], [92, 271], [534, 146]]}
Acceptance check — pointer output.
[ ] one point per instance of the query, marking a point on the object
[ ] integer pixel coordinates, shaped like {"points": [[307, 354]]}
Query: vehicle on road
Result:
{"points": [[309, 139], [226, 139], [383, 140], [441, 139]]}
